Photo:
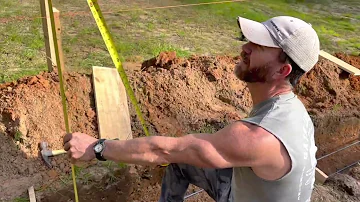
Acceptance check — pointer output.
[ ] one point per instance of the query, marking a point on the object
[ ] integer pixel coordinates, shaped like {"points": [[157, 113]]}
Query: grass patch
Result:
{"points": [[142, 34], [329, 27], [147, 48], [12, 76], [21, 199], [18, 136]]}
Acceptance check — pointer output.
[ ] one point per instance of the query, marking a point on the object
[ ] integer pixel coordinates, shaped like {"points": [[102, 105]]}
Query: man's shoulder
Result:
{"points": [[255, 132]]}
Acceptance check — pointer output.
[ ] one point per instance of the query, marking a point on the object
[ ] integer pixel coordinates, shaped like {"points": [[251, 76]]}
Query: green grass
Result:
{"points": [[142, 34], [18, 136], [21, 200], [21, 44], [329, 27]]}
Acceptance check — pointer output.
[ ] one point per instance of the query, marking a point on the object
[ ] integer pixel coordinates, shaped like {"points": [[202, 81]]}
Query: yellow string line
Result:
{"points": [[62, 89], [174, 6], [85, 13]]}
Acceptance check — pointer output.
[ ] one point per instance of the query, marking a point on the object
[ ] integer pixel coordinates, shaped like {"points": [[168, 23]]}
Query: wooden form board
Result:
{"points": [[320, 176], [48, 35], [343, 65], [111, 104]]}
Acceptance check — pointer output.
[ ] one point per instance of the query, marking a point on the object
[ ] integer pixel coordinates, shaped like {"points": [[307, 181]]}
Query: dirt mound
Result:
{"points": [[31, 112], [355, 172], [178, 96], [328, 88], [355, 61], [182, 95], [332, 98], [339, 187]]}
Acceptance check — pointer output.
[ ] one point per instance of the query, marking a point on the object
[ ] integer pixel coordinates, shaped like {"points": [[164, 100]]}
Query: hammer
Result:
{"points": [[45, 153]]}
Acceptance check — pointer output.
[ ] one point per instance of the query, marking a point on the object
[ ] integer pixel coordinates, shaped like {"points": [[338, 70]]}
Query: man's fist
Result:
{"points": [[79, 146]]}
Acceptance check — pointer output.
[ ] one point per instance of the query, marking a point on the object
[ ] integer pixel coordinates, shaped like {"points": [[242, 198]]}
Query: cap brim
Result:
{"points": [[256, 33]]}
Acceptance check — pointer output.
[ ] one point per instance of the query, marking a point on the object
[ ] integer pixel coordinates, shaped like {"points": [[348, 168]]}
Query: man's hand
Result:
{"points": [[79, 146]]}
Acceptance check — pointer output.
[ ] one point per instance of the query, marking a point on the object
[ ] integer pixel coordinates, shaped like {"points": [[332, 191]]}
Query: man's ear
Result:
{"points": [[285, 70]]}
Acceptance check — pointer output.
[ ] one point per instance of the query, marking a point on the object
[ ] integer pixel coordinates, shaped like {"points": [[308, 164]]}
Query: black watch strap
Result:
{"points": [[99, 155]]}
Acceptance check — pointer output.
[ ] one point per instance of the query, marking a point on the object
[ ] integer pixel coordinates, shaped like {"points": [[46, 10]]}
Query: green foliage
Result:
{"points": [[142, 34], [122, 165], [7, 76], [77, 170], [18, 137], [85, 178], [20, 199]]}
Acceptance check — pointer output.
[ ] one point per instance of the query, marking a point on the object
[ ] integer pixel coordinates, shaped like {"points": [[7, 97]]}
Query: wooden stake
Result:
{"points": [[44, 13], [32, 194], [48, 35], [59, 38]]}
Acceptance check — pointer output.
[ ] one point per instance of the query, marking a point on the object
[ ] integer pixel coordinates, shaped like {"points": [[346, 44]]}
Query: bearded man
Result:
{"points": [[267, 157]]}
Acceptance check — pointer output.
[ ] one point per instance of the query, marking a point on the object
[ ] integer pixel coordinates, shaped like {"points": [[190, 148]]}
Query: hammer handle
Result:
{"points": [[57, 152]]}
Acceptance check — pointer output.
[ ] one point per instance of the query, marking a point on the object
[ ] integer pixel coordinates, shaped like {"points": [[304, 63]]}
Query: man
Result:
{"points": [[269, 156]]}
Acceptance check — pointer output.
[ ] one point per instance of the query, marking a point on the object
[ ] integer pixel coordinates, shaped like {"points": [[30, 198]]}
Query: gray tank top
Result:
{"points": [[287, 119]]}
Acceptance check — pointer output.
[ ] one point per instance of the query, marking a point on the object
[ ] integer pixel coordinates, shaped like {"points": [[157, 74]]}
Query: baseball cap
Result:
{"points": [[294, 36]]}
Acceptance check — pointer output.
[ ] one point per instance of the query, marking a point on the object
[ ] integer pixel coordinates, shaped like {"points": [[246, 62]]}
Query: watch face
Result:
{"points": [[98, 148]]}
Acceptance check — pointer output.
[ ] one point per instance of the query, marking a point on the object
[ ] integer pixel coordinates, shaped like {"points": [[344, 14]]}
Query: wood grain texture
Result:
{"points": [[46, 28], [48, 35], [111, 104], [343, 65], [59, 38]]}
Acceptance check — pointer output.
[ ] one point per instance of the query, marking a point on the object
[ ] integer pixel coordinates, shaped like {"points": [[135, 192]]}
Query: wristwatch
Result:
{"points": [[99, 149]]}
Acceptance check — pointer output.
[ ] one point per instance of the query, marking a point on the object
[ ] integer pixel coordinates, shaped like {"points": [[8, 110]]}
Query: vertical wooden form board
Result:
{"points": [[111, 104], [48, 35], [59, 38]]}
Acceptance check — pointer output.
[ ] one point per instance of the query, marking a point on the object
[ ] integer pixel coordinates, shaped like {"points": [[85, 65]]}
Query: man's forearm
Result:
{"points": [[157, 150], [147, 150]]}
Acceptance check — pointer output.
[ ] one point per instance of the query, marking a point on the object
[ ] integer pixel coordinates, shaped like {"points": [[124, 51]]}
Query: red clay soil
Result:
{"points": [[31, 112], [178, 96], [355, 61]]}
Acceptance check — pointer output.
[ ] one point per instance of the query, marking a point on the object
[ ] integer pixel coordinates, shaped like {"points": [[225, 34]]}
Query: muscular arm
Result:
{"points": [[235, 145], [194, 149], [239, 144]]}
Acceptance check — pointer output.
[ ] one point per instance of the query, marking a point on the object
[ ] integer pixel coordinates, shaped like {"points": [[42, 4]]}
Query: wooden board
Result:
{"points": [[343, 65], [320, 176], [59, 38], [48, 35], [32, 194], [111, 104], [45, 22]]}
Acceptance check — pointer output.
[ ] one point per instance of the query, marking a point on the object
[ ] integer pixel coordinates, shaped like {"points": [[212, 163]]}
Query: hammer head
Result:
{"points": [[45, 153]]}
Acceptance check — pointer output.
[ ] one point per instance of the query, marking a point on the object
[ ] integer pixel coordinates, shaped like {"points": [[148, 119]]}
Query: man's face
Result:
{"points": [[258, 64]]}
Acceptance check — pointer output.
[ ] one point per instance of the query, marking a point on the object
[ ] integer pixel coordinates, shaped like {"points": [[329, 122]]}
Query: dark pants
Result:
{"points": [[216, 182]]}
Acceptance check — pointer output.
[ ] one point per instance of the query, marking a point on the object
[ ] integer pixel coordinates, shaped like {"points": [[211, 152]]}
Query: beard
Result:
{"points": [[250, 75]]}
